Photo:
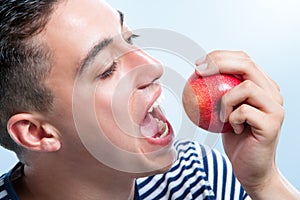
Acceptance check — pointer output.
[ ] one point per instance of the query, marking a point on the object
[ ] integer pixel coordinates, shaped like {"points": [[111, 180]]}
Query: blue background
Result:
{"points": [[269, 31]]}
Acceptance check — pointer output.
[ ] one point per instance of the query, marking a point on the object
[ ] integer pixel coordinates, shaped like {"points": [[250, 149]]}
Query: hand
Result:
{"points": [[254, 109]]}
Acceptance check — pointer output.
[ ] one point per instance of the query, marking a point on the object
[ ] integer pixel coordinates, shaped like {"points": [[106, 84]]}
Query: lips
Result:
{"points": [[155, 127]]}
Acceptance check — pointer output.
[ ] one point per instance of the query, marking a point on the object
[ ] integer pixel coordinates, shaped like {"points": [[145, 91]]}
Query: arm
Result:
{"points": [[277, 187], [254, 109]]}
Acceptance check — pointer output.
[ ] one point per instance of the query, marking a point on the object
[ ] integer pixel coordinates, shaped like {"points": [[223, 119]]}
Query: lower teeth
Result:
{"points": [[163, 127], [165, 132]]}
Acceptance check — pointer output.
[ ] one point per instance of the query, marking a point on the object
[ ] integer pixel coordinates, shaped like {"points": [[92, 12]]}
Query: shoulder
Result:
{"points": [[198, 173], [4, 192], [6, 189], [186, 179]]}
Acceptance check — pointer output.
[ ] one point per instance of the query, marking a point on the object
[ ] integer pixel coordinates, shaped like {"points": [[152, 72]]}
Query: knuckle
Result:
{"points": [[215, 55], [275, 84], [216, 52], [281, 113], [243, 54], [232, 119], [280, 100], [247, 85], [277, 119], [243, 109]]}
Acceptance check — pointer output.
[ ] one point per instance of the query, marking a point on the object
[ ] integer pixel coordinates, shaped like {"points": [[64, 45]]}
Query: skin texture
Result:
{"points": [[59, 166], [72, 31], [256, 121]]}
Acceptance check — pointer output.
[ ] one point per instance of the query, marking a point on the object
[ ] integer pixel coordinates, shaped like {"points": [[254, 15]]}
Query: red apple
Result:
{"points": [[201, 100]]}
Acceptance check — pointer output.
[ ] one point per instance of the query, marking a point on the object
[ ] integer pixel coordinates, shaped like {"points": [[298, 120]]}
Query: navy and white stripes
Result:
{"points": [[3, 191], [198, 173]]}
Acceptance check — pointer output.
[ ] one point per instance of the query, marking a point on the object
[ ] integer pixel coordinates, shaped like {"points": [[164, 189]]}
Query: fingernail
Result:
{"points": [[202, 67], [238, 129], [222, 115], [200, 60]]}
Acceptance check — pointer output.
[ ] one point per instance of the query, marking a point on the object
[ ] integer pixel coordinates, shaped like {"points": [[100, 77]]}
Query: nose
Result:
{"points": [[142, 68]]}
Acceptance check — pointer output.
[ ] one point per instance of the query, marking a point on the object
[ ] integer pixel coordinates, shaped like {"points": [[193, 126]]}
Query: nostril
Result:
{"points": [[147, 84], [143, 86]]}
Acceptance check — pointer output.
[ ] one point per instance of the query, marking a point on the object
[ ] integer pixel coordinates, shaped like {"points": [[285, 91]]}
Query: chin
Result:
{"points": [[157, 162]]}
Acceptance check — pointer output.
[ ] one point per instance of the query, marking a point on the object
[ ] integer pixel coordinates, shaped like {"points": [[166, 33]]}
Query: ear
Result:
{"points": [[29, 131]]}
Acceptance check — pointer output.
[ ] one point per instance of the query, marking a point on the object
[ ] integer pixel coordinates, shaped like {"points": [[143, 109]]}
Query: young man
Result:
{"points": [[67, 67]]}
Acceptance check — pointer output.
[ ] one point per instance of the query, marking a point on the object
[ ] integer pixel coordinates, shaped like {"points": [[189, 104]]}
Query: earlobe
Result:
{"points": [[31, 133]]}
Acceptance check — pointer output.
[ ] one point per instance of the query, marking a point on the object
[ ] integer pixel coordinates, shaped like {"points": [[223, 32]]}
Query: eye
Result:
{"points": [[109, 72], [129, 40]]}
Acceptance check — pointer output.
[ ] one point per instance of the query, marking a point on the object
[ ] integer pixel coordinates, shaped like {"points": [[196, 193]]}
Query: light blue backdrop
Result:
{"points": [[268, 30]]}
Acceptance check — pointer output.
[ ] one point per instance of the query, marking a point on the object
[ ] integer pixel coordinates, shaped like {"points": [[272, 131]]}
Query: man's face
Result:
{"points": [[104, 88]]}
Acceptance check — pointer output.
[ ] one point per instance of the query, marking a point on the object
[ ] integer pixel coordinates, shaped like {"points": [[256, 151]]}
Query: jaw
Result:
{"points": [[158, 160]]}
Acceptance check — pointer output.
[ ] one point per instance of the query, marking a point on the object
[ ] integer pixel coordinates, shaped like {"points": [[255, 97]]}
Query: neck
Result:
{"points": [[74, 182]]}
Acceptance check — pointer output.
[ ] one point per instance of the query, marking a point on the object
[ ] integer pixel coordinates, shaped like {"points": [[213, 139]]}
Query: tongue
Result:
{"points": [[149, 126]]}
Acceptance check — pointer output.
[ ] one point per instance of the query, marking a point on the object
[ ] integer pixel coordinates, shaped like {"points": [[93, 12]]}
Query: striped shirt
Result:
{"points": [[198, 173]]}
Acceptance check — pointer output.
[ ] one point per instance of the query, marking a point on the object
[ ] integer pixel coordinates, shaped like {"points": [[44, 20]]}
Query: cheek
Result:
{"points": [[103, 108], [114, 123]]}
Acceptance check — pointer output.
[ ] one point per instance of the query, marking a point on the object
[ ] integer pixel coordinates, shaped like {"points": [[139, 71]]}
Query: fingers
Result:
{"points": [[246, 92], [256, 101], [238, 63], [259, 122], [249, 104], [233, 62]]}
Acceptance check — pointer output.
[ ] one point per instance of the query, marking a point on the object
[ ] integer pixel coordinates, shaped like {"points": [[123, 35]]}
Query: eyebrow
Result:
{"points": [[97, 49], [121, 18]]}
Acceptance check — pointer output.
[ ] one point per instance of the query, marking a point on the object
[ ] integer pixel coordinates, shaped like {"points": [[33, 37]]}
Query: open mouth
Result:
{"points": [[155, 127]]}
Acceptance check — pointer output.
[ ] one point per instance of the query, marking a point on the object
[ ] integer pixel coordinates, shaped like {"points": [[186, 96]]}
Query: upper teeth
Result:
{"points": [[158, 102]]}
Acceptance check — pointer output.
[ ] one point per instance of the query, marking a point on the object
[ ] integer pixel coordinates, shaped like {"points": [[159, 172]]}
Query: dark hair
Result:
{"points": [[24, 62]]}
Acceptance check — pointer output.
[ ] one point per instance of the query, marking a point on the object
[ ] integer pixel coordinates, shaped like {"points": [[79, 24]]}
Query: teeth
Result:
{"points": [[158, 102], [151, 109], [160, 99], [162, 126], [165, 132]]}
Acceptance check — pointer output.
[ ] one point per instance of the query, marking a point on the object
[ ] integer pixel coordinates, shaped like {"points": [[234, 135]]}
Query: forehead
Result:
{"points": [[76, 25]]}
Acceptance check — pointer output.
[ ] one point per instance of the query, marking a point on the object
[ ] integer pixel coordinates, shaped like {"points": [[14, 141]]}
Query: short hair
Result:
{"points": [[25, 61]]}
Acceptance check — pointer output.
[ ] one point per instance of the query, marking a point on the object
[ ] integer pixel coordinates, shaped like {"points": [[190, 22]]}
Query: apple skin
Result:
{"points": [[201, 100]]}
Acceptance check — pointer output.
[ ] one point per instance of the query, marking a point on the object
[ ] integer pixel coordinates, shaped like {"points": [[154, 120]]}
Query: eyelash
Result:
{"points": [[133, 36], [109, 72]]}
